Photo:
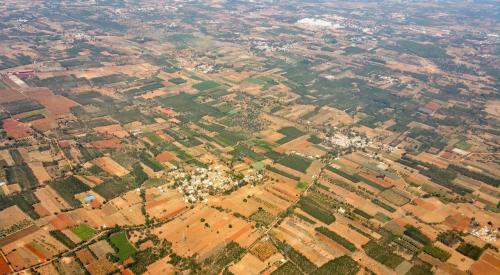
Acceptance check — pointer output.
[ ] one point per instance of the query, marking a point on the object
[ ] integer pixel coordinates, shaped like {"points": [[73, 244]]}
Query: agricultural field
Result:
{"points": [[83, 231], [123, 246], [296, 162], [249, 137], [206, 85]]}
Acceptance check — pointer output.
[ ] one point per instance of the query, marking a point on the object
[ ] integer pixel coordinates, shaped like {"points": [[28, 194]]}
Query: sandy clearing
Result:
{"points": [[12, 215], [110, 166], [40, 173], [51, 200], [203, 230]]}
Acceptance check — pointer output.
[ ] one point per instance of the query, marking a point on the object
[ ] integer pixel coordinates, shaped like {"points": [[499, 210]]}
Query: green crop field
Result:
{"points": [[83, 231], [68, 188], [290, 133], [301, 185], [121, 243], [462, 144], [177, 80], [382, 255], [343, 265], [114, 187], [110, 79], [336, 237], [316, 211], [154, 138], [296, 162], [151, 162], [227, 138], [283, 173], [287, 268], [242, 151], [206, 85]]}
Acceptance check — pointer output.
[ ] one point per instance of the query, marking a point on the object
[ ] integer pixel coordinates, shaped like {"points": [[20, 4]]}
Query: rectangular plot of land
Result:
{"points": [[110, 166], [394, 197]]}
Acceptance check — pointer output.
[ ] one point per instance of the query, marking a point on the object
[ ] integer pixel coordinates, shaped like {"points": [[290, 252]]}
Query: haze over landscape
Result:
{"points": [[226, 137]]}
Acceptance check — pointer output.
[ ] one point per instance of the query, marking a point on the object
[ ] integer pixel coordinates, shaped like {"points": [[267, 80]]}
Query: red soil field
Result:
{"points": [[112, 143], [4, 267], [56, 104], [62, 221], [35, 251], [15, 128], [165, 156], [8, 95]]}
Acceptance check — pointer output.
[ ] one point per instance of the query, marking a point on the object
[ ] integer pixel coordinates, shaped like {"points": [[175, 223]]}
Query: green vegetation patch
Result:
{"points": [[261, 216], [212, 127], [115, 187], [343, 265], [315, 210], [206, 85], [21, 174], [215, 263], [287, 268], [124, 248], [381, 217], [21, 106], [283, 173], [145, 89], [475, 175], [470, 250], [300, 260], [128, 116], [177, 80], [305, 218], [382, 254], [370, 183], [274, 155], [462, 144], [449, 238], [110, 79], [60, 82], [443, 177], [353, 50], [259, 166], [384, 205], [186, 103], [3, 85], [263, 81], [420, 269], [290, 133], [301, 185], [417, 235], [362, 213], [23, 200], [296, 162], [58, 235], [154, 138], [336, 237], [243, 151], [85, 98], [227, 138], [139, 174], [420, 49], [83, 231], [68, 188], [437, 253], [314, 139], [353, 178], [150, 162]]}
